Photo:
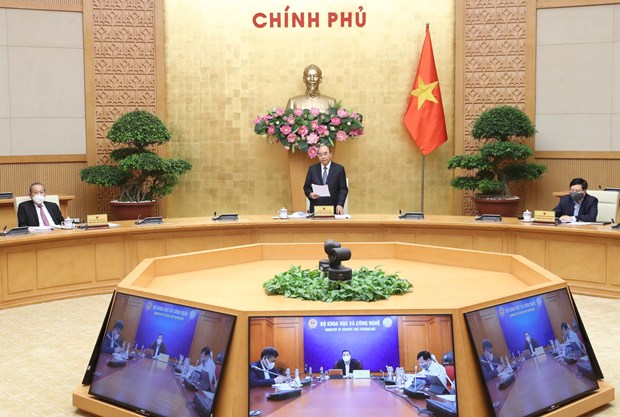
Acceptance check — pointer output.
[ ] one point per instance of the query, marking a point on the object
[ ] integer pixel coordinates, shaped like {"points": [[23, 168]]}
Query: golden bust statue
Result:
{"points": [[312, 98]]}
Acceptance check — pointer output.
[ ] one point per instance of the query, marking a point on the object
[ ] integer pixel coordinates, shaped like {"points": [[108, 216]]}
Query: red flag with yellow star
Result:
{"points": [[424, 118]]}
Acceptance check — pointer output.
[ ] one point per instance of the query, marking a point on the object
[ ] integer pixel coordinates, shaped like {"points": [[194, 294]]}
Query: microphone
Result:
{"points": [[448, 378], [110, 337], [265, 370]]}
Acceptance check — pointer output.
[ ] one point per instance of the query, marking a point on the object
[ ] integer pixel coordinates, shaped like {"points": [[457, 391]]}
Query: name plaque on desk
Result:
{"points": [[544, 217], [97, 220], [323, 211]]}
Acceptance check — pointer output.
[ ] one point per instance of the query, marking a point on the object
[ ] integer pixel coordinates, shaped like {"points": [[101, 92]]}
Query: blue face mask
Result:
{"points": [[424, 365]]}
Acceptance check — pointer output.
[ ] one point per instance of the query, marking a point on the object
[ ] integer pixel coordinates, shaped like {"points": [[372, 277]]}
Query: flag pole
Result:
{"points": [[422, 194]]}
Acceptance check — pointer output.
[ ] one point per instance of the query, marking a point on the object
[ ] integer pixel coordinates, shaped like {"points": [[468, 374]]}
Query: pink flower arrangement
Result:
{"points": [[307, 129]]}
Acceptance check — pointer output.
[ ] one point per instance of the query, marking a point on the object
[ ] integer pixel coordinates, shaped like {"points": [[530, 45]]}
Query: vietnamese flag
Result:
{"points": [[424, 117]]}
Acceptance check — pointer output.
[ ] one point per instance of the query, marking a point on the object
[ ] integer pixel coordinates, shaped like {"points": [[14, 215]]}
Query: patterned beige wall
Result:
{"points": [[493, 64], [221, 72], [124, 63]]}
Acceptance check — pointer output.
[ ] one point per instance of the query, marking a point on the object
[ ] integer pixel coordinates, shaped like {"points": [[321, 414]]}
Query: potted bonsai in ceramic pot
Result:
{"points": [[501, 160], [142, 176]]}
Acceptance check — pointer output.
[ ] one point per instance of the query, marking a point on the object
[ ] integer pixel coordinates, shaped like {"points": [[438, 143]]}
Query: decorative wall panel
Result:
{"points": [[124, 43], [494, 65]]}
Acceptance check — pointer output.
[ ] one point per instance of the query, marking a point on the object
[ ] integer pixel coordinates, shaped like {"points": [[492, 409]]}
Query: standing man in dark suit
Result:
{"points": [[38, 212], [578, 206], [331, 174]]}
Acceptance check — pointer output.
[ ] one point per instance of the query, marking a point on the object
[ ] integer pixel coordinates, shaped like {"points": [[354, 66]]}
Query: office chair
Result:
{"points": [[607, 204], [53, 198]]}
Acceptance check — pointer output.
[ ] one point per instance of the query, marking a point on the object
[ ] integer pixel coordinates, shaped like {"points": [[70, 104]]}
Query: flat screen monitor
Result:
{"points": [[161, 359], [532, 354], [92, 363], [377, 345]]}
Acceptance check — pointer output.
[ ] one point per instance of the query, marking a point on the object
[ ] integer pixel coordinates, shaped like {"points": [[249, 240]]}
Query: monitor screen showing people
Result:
{"points": [[376, 351], [533, 344], [161, 358]]}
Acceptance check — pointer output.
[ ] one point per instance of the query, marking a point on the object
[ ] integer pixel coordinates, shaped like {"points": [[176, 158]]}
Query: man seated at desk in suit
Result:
{"points": [[262, 372], [327, 173], [38, 212], [490, 365], [348, 364], [113, 341], [530, 343], [158, 346], [578, 206]]}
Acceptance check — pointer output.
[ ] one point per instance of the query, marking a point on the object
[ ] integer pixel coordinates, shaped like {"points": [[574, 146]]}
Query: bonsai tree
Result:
{"points": [[502, 158], [141, 174]]}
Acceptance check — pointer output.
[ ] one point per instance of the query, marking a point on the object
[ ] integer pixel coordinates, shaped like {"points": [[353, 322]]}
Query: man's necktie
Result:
{"points": [[324, 175], [43, 216]]}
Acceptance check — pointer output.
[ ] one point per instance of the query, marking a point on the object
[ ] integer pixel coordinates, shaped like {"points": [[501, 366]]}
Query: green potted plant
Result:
{"points": [[501, 160], [141, 175]]}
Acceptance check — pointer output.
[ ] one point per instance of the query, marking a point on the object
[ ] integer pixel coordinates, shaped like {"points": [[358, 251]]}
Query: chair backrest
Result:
{"points": [[450, 371], [607, 204], [346, 202], [52, 198]]}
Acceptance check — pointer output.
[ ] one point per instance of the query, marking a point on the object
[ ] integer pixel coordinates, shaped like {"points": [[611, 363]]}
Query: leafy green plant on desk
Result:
{"points": [[311, 284]]}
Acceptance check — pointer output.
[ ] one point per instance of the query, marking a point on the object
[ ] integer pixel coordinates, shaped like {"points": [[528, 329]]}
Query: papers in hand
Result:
{"points": [[321, 190]]}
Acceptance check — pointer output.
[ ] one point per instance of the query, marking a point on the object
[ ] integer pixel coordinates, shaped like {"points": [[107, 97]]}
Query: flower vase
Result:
{"points": [[298, 164]]}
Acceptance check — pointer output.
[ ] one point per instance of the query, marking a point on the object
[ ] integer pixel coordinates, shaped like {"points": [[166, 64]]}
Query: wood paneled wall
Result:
{"points": [[58, 178], [415, 333], [123, 70]]}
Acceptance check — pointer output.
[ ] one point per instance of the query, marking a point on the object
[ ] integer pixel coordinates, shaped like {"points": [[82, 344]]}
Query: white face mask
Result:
{"points": [[159, 341], [490, 355], [346, 358], [267, 364], [527, 338], [38, 199]]}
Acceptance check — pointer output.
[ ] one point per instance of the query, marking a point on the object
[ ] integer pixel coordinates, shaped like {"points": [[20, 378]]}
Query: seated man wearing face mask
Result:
{"points": [[207, 365], [347, 364], [530, 343], [158, 346], [113, 342], [430, 366], [262, 373], [578, 205], [489, 363], [38, 212]]}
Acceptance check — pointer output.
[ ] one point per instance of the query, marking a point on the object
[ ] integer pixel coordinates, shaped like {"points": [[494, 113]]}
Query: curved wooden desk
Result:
{"points": [[62, 263], [230, 281]]}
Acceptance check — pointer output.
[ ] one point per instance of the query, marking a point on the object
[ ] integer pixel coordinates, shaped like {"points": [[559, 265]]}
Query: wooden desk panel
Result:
{"points": [[85, 262]]}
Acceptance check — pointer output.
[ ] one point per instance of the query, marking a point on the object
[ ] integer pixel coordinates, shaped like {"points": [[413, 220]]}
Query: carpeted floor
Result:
{"points": [[45, 349]]}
